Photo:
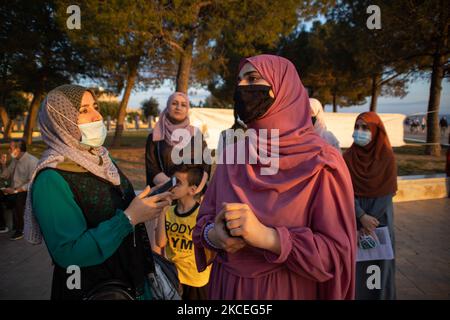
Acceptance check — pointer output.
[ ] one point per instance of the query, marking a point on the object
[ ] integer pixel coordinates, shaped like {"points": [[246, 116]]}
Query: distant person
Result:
{"points": [[407, 124], [318, 120], [411, 125], [443, 124], [373, 168], [159, 146], [415, 125], [18, 174], [423, 124], [174, 231], [84, 207], [447, 167]]}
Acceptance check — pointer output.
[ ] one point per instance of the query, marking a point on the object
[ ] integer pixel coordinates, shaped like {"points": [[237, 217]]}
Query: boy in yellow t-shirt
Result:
{"points": [[175, 227]]}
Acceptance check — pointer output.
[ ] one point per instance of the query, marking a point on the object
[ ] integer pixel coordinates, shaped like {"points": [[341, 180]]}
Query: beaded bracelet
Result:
{"points": [[205, 236]]}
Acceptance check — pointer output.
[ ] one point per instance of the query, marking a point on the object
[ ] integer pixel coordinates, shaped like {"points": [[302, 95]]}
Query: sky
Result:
{"points": [[416, 101]]}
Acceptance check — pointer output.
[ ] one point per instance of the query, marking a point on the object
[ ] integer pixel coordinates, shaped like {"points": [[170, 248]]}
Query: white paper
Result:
{"points": [[383, 251]]}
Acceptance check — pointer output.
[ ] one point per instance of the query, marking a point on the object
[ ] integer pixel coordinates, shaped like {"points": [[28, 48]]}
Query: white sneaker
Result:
{"points": [[4, 230]]}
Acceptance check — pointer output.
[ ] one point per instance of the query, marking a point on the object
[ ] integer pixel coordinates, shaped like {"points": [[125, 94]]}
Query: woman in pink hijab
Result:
{"points": [[160, 143], [290, 235]]}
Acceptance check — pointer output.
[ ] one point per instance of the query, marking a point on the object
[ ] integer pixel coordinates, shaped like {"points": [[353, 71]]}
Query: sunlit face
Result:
{"points": [[361, 125], [178, 109], [14, 149], [89, 110], [250, 76], [182, 187]]}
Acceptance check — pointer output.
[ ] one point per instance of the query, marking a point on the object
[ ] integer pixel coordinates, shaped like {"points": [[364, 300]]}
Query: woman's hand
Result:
{"points": [[369, 223], [220, 237], [144, 208], [8, 191], [242, 222]]}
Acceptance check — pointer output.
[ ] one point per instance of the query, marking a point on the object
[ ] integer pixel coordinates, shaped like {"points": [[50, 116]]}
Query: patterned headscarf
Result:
{"points": [[58, 118]]}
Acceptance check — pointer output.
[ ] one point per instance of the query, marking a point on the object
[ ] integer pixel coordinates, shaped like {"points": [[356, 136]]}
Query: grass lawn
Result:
{"points": [[411, 159]]}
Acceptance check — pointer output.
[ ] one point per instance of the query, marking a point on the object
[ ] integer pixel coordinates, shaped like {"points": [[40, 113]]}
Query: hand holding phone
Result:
{"points": [[169, 185]]}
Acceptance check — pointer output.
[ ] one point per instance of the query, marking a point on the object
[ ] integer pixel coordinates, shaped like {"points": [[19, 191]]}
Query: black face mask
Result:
{"points": [[252, 102]]}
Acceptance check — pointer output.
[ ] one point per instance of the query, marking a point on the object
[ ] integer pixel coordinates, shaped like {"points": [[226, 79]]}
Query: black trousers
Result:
{"points": [[15, 202], [194, 293]]}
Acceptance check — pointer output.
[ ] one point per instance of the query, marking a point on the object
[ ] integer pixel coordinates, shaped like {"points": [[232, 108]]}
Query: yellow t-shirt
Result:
{"points": [[180, 247]]}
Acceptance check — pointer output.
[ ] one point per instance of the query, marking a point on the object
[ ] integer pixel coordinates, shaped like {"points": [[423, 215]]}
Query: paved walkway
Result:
{"points": [[421, 137], [423, 256]]}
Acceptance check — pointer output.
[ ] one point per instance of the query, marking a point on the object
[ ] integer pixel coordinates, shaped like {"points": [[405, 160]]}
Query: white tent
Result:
{"points": [[212, 121]]}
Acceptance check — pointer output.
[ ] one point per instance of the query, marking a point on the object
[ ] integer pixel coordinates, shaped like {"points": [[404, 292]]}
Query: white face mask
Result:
{"points": [[93, 133], [362, 138], [14, 155]]}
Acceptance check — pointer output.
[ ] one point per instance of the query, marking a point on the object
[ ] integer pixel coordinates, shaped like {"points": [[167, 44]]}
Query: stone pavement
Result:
{"points": [[423, 256]]}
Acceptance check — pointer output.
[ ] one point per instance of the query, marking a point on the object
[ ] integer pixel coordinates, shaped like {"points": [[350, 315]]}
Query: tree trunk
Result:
{"points": [[184, 67], [334, 103], [131, 78], [32, 115], [5, 121], [433, 135], [374, 92], [9, 129]]}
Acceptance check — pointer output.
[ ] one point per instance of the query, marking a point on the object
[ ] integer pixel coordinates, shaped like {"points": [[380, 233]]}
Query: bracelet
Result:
{"points": [[205, 236], [131, 222], [129, 218]]}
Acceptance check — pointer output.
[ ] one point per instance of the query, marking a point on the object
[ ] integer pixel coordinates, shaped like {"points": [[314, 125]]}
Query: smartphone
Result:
{"points": [[165, 187]]}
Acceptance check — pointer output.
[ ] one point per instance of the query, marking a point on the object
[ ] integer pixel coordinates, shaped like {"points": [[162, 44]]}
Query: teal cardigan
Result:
{"points": [[64, 228]]}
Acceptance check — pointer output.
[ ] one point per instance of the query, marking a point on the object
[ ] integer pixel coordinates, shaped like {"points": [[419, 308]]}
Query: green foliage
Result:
{"points": [[149, 107], [16, 104], [248, 28], [109, 108], [37, 53], [115, 35], [326, 64]]}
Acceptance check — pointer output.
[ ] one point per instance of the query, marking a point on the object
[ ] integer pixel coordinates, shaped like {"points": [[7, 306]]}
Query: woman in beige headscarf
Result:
{"points": [[318, 119], [83, 205]]}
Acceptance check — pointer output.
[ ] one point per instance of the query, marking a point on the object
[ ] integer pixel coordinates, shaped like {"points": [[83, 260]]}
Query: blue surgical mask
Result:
{"points": [[93, 133], [362, 138]]}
